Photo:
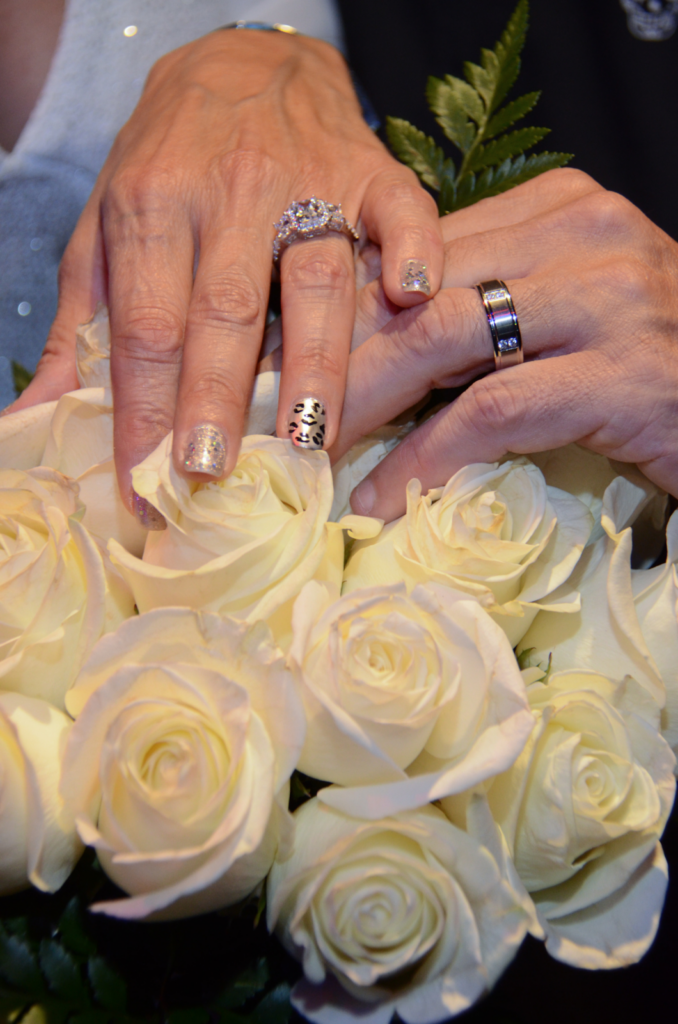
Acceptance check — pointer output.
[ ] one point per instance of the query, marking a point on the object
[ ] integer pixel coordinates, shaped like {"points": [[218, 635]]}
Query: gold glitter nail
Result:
{"points": [[206, 450]]}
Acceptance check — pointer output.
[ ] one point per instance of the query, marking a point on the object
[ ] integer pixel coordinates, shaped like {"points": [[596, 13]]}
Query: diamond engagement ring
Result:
{"points": [[501, 316], [310, 219]]}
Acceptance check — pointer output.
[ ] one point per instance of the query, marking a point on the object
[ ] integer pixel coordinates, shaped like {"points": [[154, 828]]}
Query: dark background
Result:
{"points": [[609, 98]]}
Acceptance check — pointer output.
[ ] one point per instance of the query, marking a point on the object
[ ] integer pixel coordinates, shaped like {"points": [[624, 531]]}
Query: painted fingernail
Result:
{"points": [[206, 450], [306, 424], [363, 498], [414, 277], [148, 516]]}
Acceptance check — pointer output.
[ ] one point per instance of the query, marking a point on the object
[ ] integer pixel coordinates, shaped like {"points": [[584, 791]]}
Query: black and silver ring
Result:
{"points": [[501, 316]]}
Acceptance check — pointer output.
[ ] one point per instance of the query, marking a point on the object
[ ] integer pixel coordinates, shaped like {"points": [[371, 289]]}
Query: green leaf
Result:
{"points": [[511, 113], [62, 973], [18, 964], [510, 145], [524, 658], [416, 149], [245, 986], [506, 176], [108, 988], [21, 377], [274, 1008], [72, 929], [508, 50], [450, 101]]}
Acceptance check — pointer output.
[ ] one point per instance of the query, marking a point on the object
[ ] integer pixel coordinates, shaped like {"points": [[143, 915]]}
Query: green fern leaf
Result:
{"points": [[417, 150], [508, 50], [469, 114], [456, 106], [506, 176], [511, 113], [510, 145]]}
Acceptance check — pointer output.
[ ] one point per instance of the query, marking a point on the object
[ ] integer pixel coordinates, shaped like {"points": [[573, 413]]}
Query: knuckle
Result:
{"points": [[151, 333], [145, 423], [319, 361], [138, 188], [247, 168], [216, 388], [235, 302], [490, 406], [605, 213], [624, 280], [317, 268]]}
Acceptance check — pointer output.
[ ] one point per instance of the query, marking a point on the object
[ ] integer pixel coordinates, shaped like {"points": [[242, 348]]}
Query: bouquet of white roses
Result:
{"points": [[158, 693]]}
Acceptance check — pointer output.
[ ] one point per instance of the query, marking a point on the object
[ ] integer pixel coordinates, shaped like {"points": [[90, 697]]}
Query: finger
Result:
{"points": [[580, 397], [546, 192], [81, 287], [150, 249], [403, 219], [447, 343], [501, 247], [224, 328], [318, 309]]}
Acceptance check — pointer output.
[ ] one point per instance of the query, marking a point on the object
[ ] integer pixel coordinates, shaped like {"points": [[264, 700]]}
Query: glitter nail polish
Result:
{"points": [[414, 277], [148, 516], [206, 450]]}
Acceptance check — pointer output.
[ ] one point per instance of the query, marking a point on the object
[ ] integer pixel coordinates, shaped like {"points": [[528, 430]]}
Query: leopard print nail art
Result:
{"points": [[307, 424]]}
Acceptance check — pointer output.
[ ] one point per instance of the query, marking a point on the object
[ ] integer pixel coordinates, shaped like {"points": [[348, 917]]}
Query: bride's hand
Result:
{"points": [[176, 240], [595, 288]]}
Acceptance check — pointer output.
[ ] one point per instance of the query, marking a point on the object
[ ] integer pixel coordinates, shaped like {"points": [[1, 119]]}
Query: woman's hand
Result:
{"points": [[595, 287], [176, 240]]}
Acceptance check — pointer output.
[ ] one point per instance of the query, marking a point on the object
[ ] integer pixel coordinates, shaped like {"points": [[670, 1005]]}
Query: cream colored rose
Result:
{"points": [[497, 532], [56, 596], [188, 728], [582, 811], [408, 697], [605, 635], [243, 546], [587, 475], [655, 599], [38, 841], [406, 915]]}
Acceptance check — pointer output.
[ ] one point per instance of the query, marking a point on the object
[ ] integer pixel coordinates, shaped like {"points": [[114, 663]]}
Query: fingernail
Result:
{"points": [[148, 516], [414, 277], [306, 425], [363, 498], [206, 450]]}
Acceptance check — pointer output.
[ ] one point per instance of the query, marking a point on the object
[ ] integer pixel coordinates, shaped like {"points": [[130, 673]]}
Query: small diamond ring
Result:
{"points": [[311, 218], [504, 328]]}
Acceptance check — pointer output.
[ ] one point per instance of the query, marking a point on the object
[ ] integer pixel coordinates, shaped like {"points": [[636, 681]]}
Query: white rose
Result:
{"points": [[582, 810], [497, 532], [655, 599], [587, 475], [56, 596], [605, 635], [243, 546], [38, 841], [188, 728], [406, 915], [425, 682]]}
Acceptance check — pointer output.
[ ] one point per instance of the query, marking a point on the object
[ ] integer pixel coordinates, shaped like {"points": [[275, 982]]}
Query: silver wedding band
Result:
{"points": [[311, 218], [504, 328]]}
